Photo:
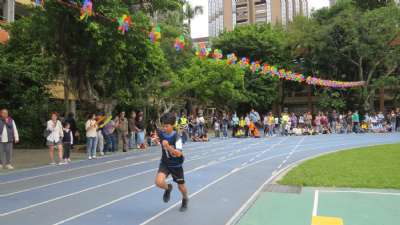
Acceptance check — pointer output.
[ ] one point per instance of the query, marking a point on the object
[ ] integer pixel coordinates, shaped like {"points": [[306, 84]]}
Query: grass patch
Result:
{"points": [[370, 167]]}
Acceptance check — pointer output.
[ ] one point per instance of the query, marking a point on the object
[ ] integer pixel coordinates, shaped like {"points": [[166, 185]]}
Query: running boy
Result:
{"points": [[171, 160]]}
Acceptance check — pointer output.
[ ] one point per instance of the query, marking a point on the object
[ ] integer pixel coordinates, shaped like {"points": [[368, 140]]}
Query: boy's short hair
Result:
{"points": [[65, 124], [168, 118]]}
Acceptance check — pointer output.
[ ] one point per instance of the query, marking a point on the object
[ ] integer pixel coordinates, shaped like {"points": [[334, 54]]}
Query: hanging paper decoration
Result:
{"points": [[155, 34], [202, 51], [39, 3], [217, 54], [255, 66], [244, 62], [179, 43], [124, 23], [86, 10], [231, 59]]}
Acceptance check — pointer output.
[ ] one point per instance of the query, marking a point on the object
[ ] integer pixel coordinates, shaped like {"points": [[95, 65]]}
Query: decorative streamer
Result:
{"points": [[180, 43], [124, 23], [202, 50], [155, 34], [231, 59], [265, 69], [217, 54], [86, 10]]}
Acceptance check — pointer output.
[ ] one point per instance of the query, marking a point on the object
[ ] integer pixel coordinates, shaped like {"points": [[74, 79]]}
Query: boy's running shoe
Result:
{"points": [[167, 193], [184, 205]]}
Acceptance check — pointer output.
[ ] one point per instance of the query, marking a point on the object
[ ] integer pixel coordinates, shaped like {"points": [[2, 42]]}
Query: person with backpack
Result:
{"points": [[9, 136]]}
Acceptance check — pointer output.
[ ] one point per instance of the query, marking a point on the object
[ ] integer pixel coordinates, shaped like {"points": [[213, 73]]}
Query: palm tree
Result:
{"points": [[191, 12]]}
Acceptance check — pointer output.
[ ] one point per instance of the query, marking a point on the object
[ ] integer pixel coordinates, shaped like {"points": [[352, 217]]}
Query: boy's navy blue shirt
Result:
{"points": [[176, 142]]}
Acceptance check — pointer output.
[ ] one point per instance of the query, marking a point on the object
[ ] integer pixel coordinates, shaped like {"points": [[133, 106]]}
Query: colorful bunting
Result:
{"points": [[202, 51], [244, 62], [231, 59], [86, 10], [273, 71], [124, 23], [180, 43], [217, 54], [155, 34]]}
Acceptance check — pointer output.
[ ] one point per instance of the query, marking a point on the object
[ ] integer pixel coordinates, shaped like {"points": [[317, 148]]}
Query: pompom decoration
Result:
{"points": [[86, 10], [155, 34], [180, 43], [124, 23]]}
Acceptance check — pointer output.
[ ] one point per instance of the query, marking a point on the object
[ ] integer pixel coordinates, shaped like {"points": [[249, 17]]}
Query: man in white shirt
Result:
{"points": [[9, 136]]}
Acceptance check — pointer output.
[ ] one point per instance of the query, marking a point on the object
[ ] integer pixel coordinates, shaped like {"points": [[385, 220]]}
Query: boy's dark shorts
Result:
{"points": [[176, 173]]}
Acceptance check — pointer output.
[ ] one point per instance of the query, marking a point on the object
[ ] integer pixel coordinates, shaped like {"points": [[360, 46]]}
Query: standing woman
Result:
{"points": [[140, 131], [8, 136], [54, 138], [91, 136]]}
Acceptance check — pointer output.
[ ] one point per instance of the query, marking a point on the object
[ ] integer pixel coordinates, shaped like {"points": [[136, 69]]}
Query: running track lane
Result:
{"points": [[221, 177]]}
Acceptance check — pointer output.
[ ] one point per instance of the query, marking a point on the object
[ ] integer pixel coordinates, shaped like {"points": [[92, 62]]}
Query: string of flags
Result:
{"points": [[273, 71], [202, 51]]}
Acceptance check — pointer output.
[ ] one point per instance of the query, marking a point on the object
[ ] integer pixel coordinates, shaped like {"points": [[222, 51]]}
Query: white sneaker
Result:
{"points": [[61, 163], [90, 157], [101, 153], [69, 160], [52, 163], [94, 157], [65, 161], [9, 167]]}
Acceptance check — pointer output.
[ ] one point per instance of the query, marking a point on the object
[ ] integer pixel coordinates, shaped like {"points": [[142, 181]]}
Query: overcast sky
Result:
{"points": [[200, 23]]}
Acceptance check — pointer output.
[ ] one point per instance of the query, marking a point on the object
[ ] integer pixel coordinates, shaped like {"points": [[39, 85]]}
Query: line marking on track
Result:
{"points": [[315, 205], [111, 182], [363, 192], [132, 194]]}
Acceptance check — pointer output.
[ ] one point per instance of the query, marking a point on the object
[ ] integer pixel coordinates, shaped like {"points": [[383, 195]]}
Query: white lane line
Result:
{"points": [[75, 193], [80, 177], [75, 178], [131, 156], [64, 171], [239, 213], [111, 182], [291, 152], [149, 187], [315, 206], [207, 186], [233, 171], [363, 192]]}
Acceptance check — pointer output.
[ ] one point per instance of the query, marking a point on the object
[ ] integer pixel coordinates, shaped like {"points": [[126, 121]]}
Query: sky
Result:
{"points": [[200, 23]]}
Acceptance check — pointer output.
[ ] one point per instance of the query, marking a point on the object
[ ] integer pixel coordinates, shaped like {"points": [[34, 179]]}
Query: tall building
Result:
{"points": [[221, 16], [7, 10], [226, 14]]}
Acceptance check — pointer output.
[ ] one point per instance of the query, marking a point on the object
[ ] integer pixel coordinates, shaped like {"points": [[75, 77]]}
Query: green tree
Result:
{"points": [[262, 43], [25, 70], [210, 83], [345, 43]]}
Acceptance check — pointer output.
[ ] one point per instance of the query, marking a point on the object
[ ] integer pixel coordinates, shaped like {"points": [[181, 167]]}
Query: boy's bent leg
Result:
{"points": [[160, 182]]}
